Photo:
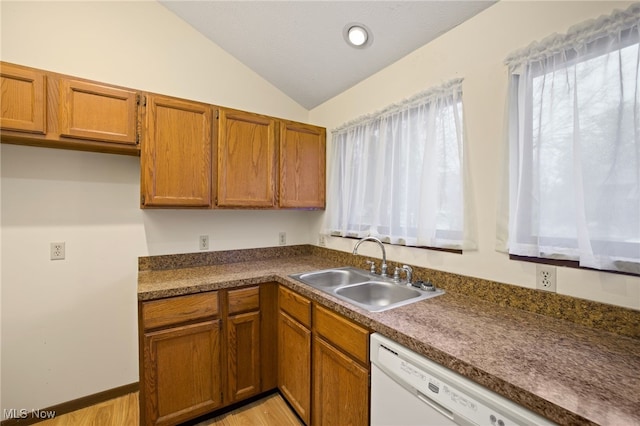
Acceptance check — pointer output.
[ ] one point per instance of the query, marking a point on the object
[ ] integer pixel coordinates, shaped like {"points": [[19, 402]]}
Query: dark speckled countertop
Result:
{"points": [[567, 372]]}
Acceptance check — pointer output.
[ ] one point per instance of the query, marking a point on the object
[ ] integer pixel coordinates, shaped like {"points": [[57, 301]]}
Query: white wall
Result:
{"points": [[69, 327], [475, 51]]}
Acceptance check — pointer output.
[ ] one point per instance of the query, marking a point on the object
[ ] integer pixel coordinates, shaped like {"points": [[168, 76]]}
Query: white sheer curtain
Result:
{"points": [[574, 145], [399, 174]]}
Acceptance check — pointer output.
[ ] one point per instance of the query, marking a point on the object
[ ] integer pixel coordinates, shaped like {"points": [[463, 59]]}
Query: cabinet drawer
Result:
{"points": [[297, 306], [244, 300], [175, 310], [347, 335]]}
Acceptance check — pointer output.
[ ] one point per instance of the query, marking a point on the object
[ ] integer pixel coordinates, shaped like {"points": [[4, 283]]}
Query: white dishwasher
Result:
{"points": [[408, 389]]}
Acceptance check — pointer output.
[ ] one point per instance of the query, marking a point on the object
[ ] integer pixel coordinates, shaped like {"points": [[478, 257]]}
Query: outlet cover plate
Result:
{"points": [[546, 278], [204, 242], [57, 251]]}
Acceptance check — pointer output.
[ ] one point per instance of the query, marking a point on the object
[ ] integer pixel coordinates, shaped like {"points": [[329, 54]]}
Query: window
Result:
{"points": [[398, 174], [574, 146]]}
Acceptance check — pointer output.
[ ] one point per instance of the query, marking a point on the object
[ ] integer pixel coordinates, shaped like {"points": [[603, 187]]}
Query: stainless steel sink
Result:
{"points": [[377, 293], [334, 277], [364, 289]]}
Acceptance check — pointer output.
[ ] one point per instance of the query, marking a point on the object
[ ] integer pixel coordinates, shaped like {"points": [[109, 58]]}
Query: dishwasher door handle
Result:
{"points": [[439, 408]]}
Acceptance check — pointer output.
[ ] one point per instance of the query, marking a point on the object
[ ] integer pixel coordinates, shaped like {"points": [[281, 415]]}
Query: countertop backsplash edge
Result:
{"points": [[610, 318]]}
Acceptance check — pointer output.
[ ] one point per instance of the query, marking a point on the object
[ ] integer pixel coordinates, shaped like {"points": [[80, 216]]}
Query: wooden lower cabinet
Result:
{"points": [[341, 387], [323, 363], [341, 370], [181, 369], [243, 356], [184, 375], [204, 351], [294, 364], [243, 343]]}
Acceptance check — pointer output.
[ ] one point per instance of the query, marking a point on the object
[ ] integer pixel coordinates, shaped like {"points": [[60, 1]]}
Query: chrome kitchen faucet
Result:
{"points": [[383, 267]]}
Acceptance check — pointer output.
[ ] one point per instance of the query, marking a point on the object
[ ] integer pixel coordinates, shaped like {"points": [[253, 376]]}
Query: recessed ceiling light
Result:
{"points": [[357, 35]]}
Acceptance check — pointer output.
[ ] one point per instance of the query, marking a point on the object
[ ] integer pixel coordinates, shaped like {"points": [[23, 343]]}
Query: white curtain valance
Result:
{"points": [[577, 36], [446, 89]]}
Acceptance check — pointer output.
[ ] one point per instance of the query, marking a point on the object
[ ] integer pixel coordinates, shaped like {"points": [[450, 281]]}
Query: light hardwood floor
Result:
{"points": [[123, 411], [118, 411], [269, 411]]}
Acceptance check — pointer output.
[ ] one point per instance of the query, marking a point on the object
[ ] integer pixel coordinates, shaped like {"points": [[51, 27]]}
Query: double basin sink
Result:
{"points": [[366, 290]]}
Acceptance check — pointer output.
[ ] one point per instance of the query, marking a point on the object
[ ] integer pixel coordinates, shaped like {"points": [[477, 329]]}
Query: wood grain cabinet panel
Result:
{"points": [[176, 310], [243, 356], [203, 351], [340, 387], [302, 165], [244, 300], [246, 160], [176, 153], [294, 364], [183, 374], [47, 109], [98, 112], [295, 305], [342, 333], [23, 99], [323, 372], [243, 343]]}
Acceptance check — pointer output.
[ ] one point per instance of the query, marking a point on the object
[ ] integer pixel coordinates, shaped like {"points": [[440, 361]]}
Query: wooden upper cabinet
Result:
{"points": [[97, 112], [246, 160], [302, 165], [176, 153], [23, 99], [43, 108]]}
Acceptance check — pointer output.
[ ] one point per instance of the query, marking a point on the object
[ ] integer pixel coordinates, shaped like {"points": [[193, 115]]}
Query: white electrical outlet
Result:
{"points": [[57, 251], [546, 277], [322, 241], [204, 242], [283, 238]]}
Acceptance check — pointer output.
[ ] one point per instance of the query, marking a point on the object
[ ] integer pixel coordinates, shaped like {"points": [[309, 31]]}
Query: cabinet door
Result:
{"points": [[302, 165], [341, 387], [97, 112], [294, 364], [23, 99], [176, 153], [183, 371], [245, 160], [243, 355]]}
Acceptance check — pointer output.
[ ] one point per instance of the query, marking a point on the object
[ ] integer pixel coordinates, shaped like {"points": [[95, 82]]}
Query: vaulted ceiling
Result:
{"points": [[299, 46]]}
